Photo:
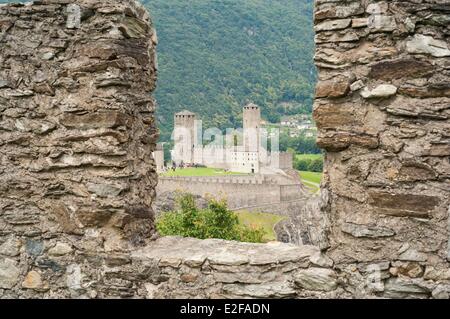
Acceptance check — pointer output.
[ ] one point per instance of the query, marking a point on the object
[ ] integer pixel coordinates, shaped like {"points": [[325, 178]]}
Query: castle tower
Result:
{"points": [[185, 137], [252, 123]]}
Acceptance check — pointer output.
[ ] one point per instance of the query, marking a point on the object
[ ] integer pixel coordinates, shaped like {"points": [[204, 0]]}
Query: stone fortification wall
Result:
{"points": [[239, 191], [383, 113], [77, 130]]}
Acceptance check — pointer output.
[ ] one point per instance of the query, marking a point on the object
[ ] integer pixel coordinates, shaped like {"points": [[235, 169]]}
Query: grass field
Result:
{"points": [[311, 179], [264, 220], [201, 171], [308, 156]]}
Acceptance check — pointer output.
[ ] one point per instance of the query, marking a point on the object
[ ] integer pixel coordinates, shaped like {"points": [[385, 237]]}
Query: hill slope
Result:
{"points": [[215, 56]]}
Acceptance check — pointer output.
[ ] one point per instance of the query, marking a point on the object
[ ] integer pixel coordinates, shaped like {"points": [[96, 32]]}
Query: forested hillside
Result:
{"points": [[217, 55]]}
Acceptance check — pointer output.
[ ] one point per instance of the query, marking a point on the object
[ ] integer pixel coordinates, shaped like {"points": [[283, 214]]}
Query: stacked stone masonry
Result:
{"points": [[383, 112], [239, 191], [76, 136], [77, 179]]}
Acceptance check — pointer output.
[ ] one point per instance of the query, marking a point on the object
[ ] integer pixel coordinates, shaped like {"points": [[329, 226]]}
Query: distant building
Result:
{"points": [[250, 157]]}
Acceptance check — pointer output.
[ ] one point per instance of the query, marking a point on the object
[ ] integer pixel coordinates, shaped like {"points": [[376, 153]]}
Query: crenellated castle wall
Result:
{"points": [[240, 191]]}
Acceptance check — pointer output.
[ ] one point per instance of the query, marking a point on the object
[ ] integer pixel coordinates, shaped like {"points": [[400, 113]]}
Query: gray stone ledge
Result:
{"points": [[173, 251]]}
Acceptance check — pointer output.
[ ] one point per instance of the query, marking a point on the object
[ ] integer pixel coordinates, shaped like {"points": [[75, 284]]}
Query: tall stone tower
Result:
{"points": [[251, 122], [185, 137]]}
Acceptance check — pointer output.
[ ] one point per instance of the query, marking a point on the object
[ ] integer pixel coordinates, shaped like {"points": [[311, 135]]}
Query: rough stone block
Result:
{"points": [[316, 279], [9, 273], [333, 25], [413, 205], [111, 119], [338, 141], [73, 16], [366, 231], [333, 88], [400, 68], [336, 117], [422, 44], [381, 91]]}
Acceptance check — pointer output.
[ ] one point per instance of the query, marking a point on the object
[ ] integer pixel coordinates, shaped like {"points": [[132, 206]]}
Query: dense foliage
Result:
{"points": [[309, 165], [300, 145], [216, 221], [215, 56]]}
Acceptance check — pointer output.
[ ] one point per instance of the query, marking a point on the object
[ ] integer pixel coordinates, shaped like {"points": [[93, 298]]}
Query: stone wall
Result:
{"points": [[383, 112], [239, 191], [192, 268], [76, 135], [306, 223], [78, 180]]}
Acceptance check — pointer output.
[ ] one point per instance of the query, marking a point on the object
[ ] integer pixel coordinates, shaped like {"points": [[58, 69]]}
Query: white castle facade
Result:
{"points": [[247, 156]]}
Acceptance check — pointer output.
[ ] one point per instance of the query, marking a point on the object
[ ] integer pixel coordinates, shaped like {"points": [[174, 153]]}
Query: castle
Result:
{"points": [[249, 157]]}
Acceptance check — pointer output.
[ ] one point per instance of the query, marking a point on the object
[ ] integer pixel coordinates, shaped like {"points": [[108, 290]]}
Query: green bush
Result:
{"points": [[302, 164], [216, 221], [309, 165], [316, 165]]}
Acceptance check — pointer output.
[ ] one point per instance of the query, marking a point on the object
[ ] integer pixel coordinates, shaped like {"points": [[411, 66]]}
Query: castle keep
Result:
{"points": [[77, 131]]}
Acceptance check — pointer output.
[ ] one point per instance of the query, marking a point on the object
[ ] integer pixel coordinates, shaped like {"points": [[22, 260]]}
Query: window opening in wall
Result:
{"points": [[258, 112]]}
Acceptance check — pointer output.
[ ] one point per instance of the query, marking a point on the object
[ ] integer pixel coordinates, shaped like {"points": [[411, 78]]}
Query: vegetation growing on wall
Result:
{"points": [[264, 220]]}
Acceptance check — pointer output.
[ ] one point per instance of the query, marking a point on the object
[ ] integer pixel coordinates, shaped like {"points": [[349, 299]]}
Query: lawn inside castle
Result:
{"points": [[310, 179]]}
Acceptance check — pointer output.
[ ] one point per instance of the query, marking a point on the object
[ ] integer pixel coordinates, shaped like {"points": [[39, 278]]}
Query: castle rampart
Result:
{"points": [[77, 130], [239, 191]]}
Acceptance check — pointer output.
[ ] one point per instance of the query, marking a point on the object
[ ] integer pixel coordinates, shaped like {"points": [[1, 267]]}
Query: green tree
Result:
{"points": [[302, 164], [300, 144], [316, 165], [216, 221], [215, 56]]}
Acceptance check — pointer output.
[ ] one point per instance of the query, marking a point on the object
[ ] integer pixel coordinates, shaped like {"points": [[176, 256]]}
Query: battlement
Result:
{"points": [[235, 179], [185, 114], [251, 106], [239, 191]]}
